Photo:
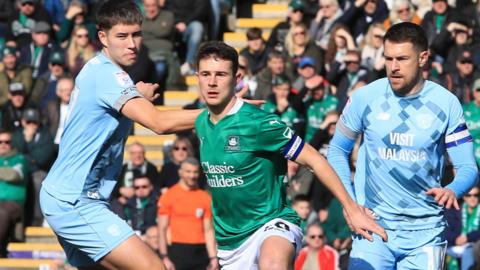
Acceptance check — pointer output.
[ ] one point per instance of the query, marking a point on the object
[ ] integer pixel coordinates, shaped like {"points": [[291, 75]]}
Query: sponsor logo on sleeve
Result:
{"points": [[123, 78]]}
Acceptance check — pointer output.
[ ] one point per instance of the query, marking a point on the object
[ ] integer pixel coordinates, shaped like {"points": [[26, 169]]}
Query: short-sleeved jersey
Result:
{"points": [[244, 159], [289, 116], [186, 210], [316, 113], [91, 148], [472, 118], [404, 142]]}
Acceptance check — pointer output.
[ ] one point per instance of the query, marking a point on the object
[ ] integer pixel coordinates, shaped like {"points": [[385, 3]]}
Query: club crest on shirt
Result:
{"points": [[424, 120], [233, 143]]}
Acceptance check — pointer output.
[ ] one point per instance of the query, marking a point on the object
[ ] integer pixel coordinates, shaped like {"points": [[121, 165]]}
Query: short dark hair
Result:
{"points": [[408, 32], [218, 49], [300, 198], [116, 12], [254, 33], [5, 130], [275, 54]]}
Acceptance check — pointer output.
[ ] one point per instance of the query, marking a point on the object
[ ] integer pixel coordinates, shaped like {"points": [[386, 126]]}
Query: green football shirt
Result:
{"points": [[244, 159], [289, 116], [316, 112], [472, 118]]}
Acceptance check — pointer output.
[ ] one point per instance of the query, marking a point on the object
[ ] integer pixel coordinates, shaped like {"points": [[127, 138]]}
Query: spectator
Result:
{"points": [[275, 67], [402, 11], [436, 19], [36, 144], [313, 102], [22, 22], [463, 230], [340, 42], [308, 74], [472, 12], [298, 45], [38, 52], [463, 77], [179, 152], [277, 38], [57, 109], [158, 34], [56, 10], [79, 50], [317, 254], [13, 183], [11, 111], [247, 79], [321, 138], [372, 50], [14, 72], [44, 89], [321, 26], [472, 118], [279, 102], [190, 17], [76, 15], [137, 165], [7, 8], [185, 210], [141, 208], [301, 205], [345, 75], [359, 16], [256, 51]]}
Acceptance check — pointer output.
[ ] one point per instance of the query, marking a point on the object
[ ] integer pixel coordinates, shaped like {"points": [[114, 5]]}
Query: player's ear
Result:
{"points": [[423, 58], [102, 36]]}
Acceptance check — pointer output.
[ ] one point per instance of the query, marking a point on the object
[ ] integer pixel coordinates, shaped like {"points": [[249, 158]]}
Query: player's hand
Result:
{"points": [[168, 264], [360, 220], [148, 90], [213, 265], [243, 92], [444, 197]]}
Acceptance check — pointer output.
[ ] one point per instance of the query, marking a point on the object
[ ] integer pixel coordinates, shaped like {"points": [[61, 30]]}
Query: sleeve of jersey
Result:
{"points": [[163, 205], [275, 136], [115, 88], [459, 145]]}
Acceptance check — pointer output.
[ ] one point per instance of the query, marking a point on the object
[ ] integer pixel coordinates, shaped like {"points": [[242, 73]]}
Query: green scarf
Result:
{"points": [[471, 221]]}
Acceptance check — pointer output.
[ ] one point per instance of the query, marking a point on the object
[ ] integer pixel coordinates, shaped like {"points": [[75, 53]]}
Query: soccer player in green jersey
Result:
{"points": [[244, 152]]}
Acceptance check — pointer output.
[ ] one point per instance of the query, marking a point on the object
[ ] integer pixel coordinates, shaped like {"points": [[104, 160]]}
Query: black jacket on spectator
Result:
{"points": [[22, 33], [256, 60], [140, 215], [189, 10], [10, 116], [454, 228], [430, 26], [39, 152], [27, 53]]}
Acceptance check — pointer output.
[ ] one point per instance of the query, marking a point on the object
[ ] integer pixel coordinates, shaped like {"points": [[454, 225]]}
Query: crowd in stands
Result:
{"points": [[306, 70]]}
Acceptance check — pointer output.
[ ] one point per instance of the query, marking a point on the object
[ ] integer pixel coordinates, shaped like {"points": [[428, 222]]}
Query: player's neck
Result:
{"points": [[107, 54], [220, 111], [415, 89]]}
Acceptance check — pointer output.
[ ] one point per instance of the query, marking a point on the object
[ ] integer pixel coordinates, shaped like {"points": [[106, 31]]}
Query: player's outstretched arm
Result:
{"points": [[357, 218], [143, 112]]}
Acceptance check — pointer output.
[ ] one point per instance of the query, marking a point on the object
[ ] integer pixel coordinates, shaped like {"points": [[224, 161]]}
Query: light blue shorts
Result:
{"points": [[420, 249], [87, 230]]}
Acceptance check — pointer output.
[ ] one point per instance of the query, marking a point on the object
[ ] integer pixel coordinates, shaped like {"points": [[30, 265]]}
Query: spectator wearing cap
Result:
{"points": [[276, 41], [345, 76], [56, 109], [36, 144], [13, 183], [359, 16], [313, 102], [472, 118], [22, 22], [13, 72], [256, 51], [76, 15], [453, 39], [463, 76], [275, 66], [38, 52], [279, 102], [11, 111], [327, 15], [436, 19], [308, 74], [45, 85]]}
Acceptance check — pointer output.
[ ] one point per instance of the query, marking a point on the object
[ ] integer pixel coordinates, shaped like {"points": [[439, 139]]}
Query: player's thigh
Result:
{"points": [[276, 252], [132, 254], [366, 255]]}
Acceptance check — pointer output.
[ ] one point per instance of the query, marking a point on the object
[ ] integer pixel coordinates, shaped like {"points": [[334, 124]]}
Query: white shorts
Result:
{"points": [[245, 257]]}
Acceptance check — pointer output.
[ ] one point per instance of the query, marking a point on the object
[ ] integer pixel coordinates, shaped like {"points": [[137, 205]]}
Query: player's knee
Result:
{"points": [[273, 263]]}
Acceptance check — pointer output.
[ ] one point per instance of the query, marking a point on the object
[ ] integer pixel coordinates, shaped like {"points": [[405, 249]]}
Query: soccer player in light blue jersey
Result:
{"points": [[104, 102], [408, 124]]}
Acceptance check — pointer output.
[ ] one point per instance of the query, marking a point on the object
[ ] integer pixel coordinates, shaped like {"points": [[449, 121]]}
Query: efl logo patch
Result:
{"points": [[123, 79], [233, 143]]}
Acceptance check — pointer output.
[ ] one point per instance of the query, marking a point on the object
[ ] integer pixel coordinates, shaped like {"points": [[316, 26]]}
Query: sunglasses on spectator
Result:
{"points": [[313, 236], [378, 36], [31, 122], [82, 36], [351, 62], [5, 142], [372, 1], [326, 6], [475, 195], [466, 61], [27, 4], [302, 33], [176, 148], [403, 10], [298, 10], [141, 187]]}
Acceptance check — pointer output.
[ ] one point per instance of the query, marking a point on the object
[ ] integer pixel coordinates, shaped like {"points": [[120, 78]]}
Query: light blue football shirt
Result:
{"points": [[402, 153], [91, 148]]}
